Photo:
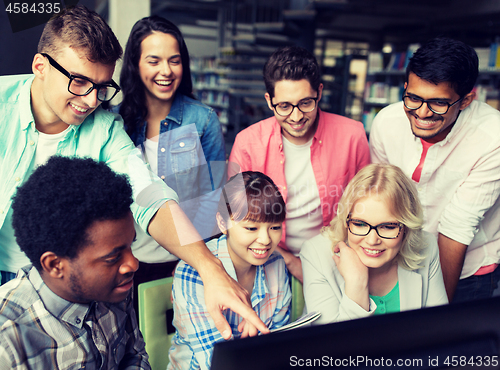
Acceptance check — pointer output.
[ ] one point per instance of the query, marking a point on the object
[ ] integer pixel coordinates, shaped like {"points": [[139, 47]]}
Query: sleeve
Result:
{"points": [[239, 159], [436, 292], [135, 352], [377, 150], [212, 142], [196, 333], [363, 152], [12, 354], [281, 315], [149, 191], [473, 198], [322, 289]]}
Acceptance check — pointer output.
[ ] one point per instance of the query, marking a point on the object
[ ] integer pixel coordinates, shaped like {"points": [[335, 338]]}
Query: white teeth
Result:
{"points": [[164, 83], [259, 251], [79, 109], [372, 251], [426, 122]]}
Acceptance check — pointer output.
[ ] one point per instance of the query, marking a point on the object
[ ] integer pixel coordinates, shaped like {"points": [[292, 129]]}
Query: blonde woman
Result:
{"points": [[374, 257]]}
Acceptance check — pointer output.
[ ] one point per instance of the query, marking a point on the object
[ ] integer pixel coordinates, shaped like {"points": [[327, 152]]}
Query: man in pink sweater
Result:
{"points": [[311, 155]]}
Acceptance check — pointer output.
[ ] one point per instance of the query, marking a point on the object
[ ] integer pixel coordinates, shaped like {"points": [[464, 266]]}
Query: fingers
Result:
{"points": [[247, 329], [221, 324]]}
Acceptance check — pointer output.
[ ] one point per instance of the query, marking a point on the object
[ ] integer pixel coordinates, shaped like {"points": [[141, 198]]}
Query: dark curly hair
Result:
{"points": [[134, 97], [291, 63], [54, 208], [446, 60], [81, 29]]}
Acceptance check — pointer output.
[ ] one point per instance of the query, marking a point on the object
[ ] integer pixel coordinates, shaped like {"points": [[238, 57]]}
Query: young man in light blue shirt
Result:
{"points": [[57, 111]]}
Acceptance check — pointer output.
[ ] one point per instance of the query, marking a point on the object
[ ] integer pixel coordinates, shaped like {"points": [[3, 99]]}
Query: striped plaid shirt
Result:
{"points": [[196, 333], [40, 330]]}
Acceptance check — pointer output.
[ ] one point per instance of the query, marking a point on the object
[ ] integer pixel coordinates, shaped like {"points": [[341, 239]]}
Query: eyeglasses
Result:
{"points": [[436, 106], [305, 106], [81, 86], [386, 230]]}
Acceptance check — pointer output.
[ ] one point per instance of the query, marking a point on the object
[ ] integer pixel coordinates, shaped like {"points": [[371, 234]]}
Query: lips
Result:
{"points": [[164, 83], [297, 127], [373, 252], [259, 253], [79, 109], [425, 123], [126, 285]]}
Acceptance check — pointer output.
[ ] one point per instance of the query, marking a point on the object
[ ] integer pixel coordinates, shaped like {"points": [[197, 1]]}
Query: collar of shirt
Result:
{"points": [[25, 104], [260, 287], [69, 312]]}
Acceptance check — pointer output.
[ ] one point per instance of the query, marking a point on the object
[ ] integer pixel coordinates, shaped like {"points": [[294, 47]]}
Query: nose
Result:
{"points": [[130, 263], [372, 238], [296, 115], [165, 68], [424, 111], [263, 237], [91, 99]]}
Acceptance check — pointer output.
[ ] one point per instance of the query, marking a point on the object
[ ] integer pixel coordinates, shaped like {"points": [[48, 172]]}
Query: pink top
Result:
{"points": [[338, 151]]}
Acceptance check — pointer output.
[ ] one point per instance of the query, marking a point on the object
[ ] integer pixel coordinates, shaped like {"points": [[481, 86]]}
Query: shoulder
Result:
{"points": [[11, 86], [261, 132], [319, 247], [16, 297], [483, 116], [194, 105], [102, 120], [391, 115], [336, 125]]}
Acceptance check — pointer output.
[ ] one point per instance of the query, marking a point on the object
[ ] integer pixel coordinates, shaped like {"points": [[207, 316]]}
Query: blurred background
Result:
{"points": [[362, 45]]}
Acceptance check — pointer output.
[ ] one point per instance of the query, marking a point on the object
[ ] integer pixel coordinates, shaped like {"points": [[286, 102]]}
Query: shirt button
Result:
{"points": [[165, 123], [1, 211], [18, 179], [162, 150], [284, 187], [162, 177], [32, 143], [76, 135], [320, 141], [281, 162], [181, 144], [78, 320]]}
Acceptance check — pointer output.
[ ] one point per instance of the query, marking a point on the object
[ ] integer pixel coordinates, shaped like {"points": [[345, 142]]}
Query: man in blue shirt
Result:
{"points": [[57, 111]]}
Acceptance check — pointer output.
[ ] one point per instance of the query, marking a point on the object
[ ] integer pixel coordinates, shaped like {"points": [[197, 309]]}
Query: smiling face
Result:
{"points": [[250, 243], [54, 107], [373, 251], [160, 66], [426, 124], [297, 127], [104, 269]]}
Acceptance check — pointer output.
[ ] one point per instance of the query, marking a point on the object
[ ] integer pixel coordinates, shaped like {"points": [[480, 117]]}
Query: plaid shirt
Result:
{"points": [[40, 330], [196, 333]]}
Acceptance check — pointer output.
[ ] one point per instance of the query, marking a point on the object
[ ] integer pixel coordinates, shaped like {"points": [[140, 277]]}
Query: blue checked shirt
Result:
{"points": [[196, 334], [40, 330]]}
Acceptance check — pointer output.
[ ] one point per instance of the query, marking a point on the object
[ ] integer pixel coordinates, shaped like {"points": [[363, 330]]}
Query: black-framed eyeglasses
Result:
{"points": [[386, 230], [437, 106], [81, 86], [305, 106]]}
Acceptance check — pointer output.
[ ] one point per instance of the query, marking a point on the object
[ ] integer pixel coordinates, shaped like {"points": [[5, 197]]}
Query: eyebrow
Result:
{"points": [[77, 75], [117, 250], [432, 99], [287, 102]]}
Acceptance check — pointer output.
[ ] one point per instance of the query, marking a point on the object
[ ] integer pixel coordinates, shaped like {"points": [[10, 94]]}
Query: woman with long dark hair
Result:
{"points": [[180, 137]]}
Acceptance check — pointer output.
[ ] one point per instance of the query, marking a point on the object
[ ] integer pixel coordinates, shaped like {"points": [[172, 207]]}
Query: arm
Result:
{"points": [[281, 314], [221, 291], [323, 287], [135, 353], [452, 256], [436, 292], [212, 142], [293, 264], [195, 329]]}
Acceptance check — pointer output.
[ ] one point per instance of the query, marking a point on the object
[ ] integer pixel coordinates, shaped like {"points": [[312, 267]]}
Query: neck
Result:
{"points": [[45, 121], [157, 109]]}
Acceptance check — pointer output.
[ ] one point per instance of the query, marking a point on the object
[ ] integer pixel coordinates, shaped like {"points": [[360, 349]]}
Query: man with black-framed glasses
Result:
{"points": [[311, 155], [56, 111], [451, 149]]}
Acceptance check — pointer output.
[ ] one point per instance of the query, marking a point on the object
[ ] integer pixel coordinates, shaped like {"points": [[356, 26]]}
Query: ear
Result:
{"points": [[467, 100], [405, 85], [52, 265], [39, 65], [320, 92], [268, 99], [221, 223]]}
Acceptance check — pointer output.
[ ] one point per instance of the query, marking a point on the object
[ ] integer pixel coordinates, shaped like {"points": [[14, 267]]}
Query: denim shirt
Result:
{"points": [[191, 158]]}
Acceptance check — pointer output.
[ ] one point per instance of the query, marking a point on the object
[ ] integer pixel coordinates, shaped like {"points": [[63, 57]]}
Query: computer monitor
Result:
{"points": [[452, 336]]}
